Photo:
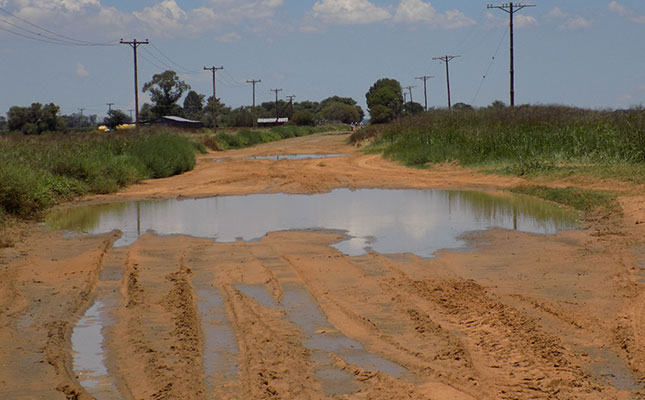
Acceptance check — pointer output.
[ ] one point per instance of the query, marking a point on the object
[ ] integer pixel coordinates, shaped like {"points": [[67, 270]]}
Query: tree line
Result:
{"points": [[166, 90]]}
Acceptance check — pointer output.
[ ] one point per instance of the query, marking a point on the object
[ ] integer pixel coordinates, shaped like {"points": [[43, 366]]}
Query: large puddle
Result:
{"points": [[387, 221]]}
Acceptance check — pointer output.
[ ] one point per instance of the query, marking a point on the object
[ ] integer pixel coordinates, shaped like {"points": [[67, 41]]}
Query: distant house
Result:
{"points": [[272, 121], [177, 122]]}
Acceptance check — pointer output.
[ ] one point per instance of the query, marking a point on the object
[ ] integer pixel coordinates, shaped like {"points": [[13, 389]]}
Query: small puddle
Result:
{"points": [[89, 356], [611, 369], [386, 221], [639, 250], [283, 157], [322, 339], [220, 346]]}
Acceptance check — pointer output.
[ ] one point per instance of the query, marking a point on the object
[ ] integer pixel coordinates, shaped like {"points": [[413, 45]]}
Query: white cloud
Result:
{"points": [[420, 11], [524, 21], [576, 23], [81, 71], [228, 37], [556, 12], [347, 12], [623, 11], [164, 17]]}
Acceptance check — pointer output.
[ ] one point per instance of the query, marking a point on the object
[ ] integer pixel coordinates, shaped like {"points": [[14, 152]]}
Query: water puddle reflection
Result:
{"points": [[387, 221], [89, 357]]}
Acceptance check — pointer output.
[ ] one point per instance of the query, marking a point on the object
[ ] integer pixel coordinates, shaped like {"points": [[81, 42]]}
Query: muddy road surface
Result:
{"points": [[518, 315]]}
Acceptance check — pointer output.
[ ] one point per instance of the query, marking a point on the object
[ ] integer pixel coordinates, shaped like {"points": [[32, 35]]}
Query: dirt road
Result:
{"points": [[522, 316]]}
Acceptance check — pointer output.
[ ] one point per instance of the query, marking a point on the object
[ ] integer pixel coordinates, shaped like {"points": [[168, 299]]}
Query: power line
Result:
{"points": [[481, 84], [446, 59], [68, 40], [511, 8]]}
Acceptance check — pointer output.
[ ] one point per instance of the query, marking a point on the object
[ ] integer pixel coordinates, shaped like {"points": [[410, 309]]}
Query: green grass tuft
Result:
{"points": [[580, 199]]}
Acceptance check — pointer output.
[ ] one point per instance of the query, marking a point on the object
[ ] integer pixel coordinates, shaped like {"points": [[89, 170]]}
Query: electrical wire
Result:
{"points": [[68, 40], [499, 46]]}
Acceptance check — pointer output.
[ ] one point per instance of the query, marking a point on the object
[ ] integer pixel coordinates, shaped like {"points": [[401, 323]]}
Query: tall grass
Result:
{"points": [[37, 172], [523, 140], [252, 137]]}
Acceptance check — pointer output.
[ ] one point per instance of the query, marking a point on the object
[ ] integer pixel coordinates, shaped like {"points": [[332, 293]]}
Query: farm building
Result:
{"points": [[272, 121], [177, 122]]}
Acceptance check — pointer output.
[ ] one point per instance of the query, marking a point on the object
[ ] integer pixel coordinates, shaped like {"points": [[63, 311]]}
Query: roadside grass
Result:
{"points": [[525, 141], [251, 137], [37, 172], [581, 199]]}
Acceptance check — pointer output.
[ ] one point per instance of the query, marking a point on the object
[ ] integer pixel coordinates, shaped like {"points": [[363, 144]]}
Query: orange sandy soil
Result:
{"points": [[513, 319]]}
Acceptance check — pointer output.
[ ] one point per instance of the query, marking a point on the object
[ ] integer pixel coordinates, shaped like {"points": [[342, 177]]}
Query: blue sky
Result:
{"points": [[587, 53]]}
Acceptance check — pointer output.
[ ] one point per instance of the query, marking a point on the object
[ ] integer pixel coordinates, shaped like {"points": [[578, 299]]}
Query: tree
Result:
{"points": [[165, 90], [345, 101], [497, 104], [116, 118], [413, 108], [221, 112], [462, 107], [3, 123], [341, 112], [303, 118], [194, 105], [146, 113], [385, 93], [34, 119]]}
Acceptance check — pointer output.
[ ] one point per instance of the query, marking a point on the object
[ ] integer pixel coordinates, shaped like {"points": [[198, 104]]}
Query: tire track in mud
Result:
{"points": [[373, 384], [43, 311], [159, 321]]}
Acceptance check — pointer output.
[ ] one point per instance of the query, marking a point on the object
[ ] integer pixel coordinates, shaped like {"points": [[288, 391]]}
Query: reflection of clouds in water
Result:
{"points": [[389, 221]]}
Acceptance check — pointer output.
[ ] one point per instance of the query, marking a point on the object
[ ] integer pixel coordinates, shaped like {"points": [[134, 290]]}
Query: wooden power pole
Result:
{"points": [[277, 112], [214, 111], [254, 82], [511, 8], [134, 44], [446, 59], [425, 87]]}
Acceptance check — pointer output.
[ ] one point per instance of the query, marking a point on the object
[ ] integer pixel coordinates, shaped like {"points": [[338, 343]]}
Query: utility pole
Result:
{"points": [[277, 113], [254, 82], [214, 71], [110, 107], [291, 102], [130, 113], [134, 44], [446, 59], [409, 88], [511, 8], [425, 87]]}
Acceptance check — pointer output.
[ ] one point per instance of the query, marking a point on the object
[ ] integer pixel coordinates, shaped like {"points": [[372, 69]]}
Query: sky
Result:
{"points": [[584, 53]]}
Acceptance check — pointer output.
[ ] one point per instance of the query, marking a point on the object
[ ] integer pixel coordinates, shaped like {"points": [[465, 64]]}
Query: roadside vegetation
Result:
{"points": [[528, 140], [37, 172]]}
